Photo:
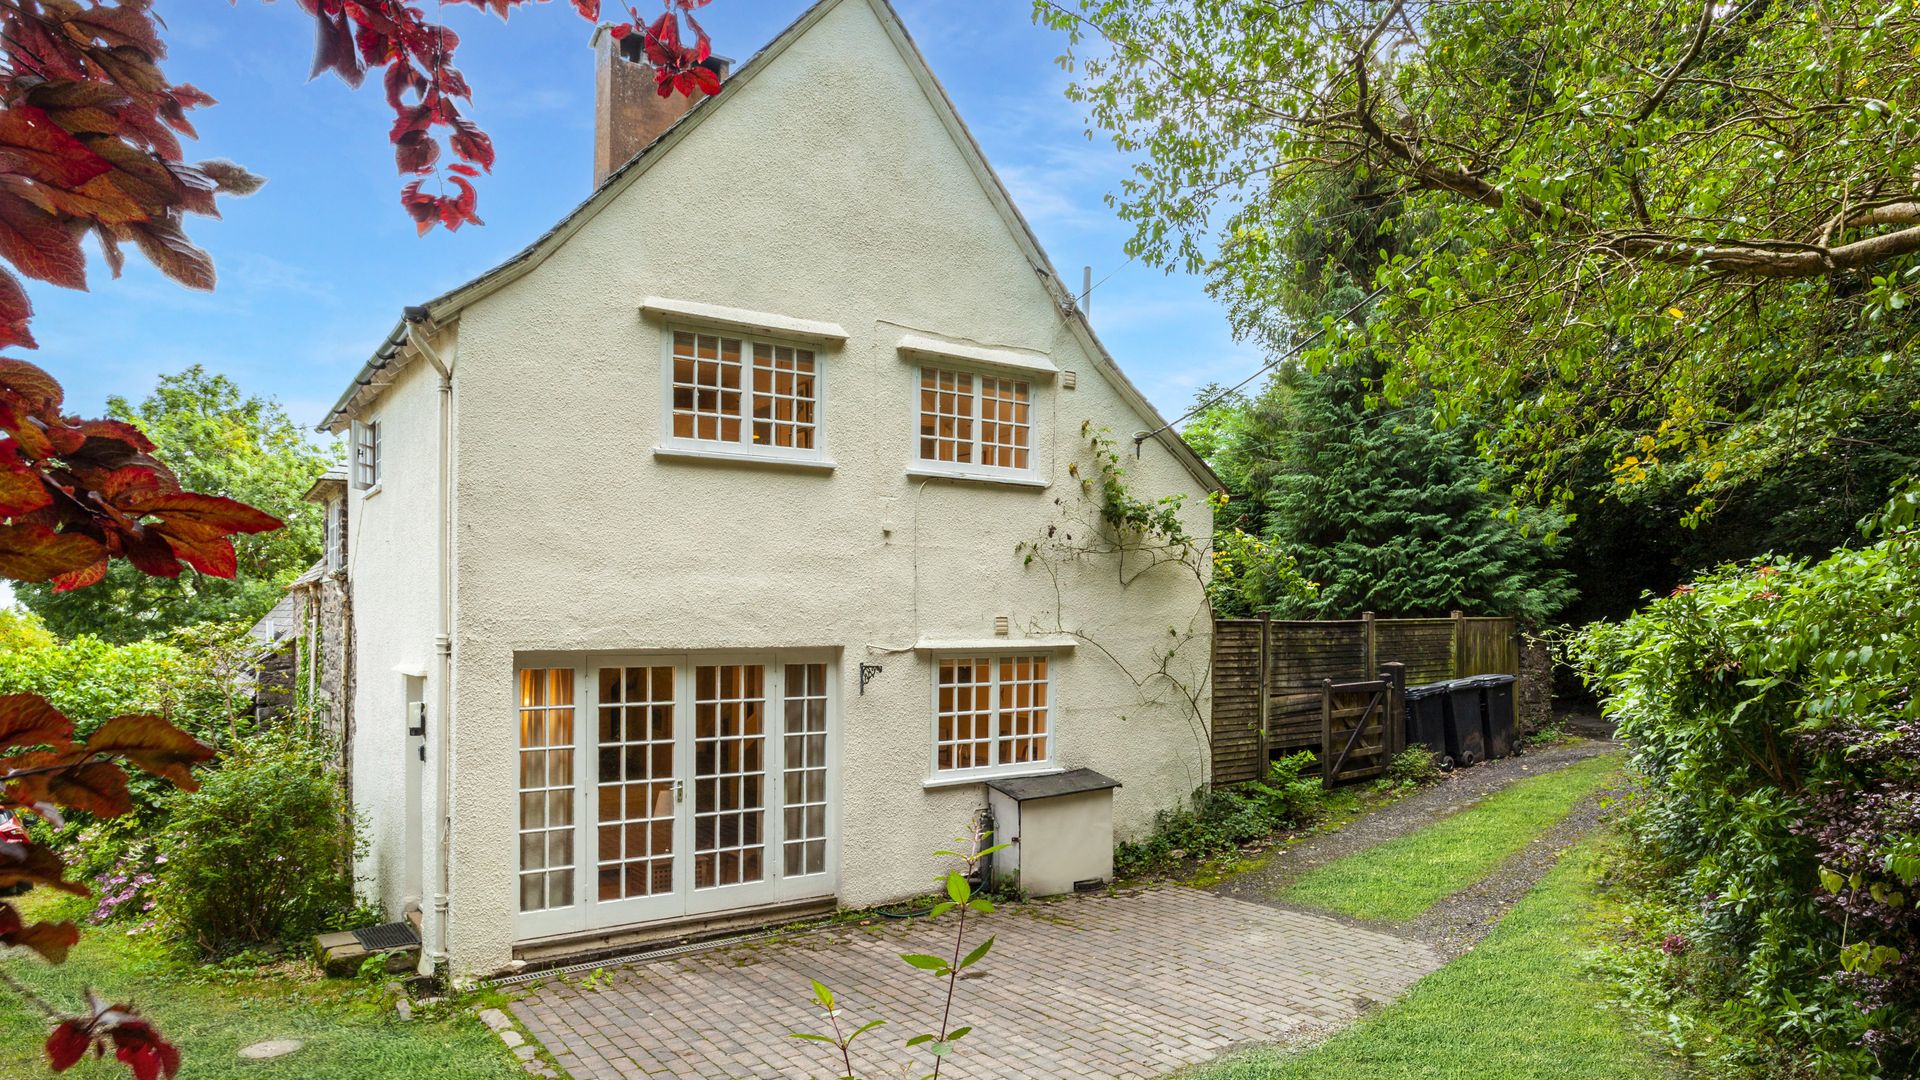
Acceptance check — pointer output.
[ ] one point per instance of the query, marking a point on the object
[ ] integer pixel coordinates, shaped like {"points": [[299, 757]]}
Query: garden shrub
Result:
{"points": [[1775, 837], [262, 853], [1416, 766], [1218, 822]]}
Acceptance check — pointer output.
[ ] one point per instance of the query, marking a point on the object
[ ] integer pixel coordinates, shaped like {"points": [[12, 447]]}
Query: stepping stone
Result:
{"points": [[495, 1020], [269, 1050]]}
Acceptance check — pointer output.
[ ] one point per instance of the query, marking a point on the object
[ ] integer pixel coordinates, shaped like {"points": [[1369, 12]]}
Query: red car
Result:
{"points": [[12, 832]]}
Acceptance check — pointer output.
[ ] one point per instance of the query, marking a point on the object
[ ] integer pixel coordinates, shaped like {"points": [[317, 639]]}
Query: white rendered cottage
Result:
{"points": [[688, 588]]}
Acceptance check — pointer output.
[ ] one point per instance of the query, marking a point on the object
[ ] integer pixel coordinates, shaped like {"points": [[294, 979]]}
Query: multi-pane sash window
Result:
{"points": [[975, 421], [756, 396], [366, 454], [546, 789], [990, 713]]}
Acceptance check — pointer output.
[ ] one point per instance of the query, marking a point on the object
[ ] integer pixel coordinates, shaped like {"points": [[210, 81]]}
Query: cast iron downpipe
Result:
{"points": [[434, 954]]}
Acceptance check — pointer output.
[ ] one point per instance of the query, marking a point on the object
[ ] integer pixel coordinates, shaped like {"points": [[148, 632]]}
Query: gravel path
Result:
{"points": [[1453, 925]]}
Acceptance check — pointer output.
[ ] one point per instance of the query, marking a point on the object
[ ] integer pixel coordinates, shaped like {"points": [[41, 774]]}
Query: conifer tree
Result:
{"points": [[1389, 512]]}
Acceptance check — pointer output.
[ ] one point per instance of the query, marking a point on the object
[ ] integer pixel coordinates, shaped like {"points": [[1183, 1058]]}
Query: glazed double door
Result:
{"points": [[655, 787]]}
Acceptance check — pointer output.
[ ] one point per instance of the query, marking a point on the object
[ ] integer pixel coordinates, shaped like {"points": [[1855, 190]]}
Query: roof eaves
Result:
{"points": [[443, 308], [381, 358]]}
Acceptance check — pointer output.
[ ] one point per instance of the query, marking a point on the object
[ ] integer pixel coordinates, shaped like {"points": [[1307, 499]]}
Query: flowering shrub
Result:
{"points": [[123, 892], [262, 853], [1776, 839]]}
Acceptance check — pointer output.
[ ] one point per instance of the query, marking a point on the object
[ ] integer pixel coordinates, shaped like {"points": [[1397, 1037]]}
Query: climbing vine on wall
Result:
{"points": [[1141, 537]]}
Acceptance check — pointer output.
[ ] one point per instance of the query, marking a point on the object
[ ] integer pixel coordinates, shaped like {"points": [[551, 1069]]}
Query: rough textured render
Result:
{"points": [[1089, 988], [392, 566], [826, 188]]}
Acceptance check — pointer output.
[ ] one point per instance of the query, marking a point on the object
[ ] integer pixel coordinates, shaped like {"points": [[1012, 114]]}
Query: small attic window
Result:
{"points": [[366, 454], [975, 423]]}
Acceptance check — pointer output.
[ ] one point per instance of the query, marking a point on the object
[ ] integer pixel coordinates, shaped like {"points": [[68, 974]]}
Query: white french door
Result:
{"points": [[706, 783]]}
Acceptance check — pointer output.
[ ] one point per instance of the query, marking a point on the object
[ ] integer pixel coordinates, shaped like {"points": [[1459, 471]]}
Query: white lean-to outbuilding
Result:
{"points": [[686, 564]]}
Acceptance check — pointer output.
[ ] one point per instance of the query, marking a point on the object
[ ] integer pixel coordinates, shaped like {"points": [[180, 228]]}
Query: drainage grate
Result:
{"points": [[387, 937]]}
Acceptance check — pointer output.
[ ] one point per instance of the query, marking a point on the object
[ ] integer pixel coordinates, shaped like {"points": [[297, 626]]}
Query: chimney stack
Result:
{"points": [[628, 111]]}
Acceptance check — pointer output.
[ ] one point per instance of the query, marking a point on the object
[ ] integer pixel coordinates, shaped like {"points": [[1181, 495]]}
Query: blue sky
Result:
{"points": [[315, 268]]}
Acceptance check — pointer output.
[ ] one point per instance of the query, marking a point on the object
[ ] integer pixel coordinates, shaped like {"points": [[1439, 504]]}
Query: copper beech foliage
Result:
{"points": [[43, 772], [90, 145], [426, 90], [75, 494]]}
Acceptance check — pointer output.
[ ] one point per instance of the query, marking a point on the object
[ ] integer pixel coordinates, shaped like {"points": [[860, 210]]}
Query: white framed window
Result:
{"points": [[336, 533], [974, 423], [736, 394], [366, 454], [992, 714]]}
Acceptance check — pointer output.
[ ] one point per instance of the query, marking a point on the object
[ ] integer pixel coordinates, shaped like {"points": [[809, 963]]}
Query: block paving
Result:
{"points": [[1135, 985]]}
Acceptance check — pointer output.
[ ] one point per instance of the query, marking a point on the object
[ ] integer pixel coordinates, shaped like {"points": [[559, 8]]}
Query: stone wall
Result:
{"points": [[325, 609], [311, 659], [1534, 701]]}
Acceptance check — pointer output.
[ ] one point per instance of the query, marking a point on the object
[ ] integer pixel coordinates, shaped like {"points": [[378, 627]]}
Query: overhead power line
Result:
{"points": [[1291, 352]]}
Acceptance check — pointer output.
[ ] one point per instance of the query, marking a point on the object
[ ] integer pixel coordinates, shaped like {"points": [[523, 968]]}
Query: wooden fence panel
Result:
{"points": [[1237, 752], [1269, 678], [1302, 656], [1425, 646], [1488, 647]]}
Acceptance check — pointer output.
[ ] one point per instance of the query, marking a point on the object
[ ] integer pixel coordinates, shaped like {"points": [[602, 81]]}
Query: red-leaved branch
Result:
{"points": [[90, 146], [434, 141]]}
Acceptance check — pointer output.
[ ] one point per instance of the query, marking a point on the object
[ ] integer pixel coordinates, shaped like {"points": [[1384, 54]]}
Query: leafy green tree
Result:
{"points": [[1652, 234], [219, 441]]}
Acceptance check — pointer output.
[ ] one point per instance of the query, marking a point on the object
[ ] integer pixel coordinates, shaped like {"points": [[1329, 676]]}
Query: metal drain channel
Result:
{"points": [[650, 955]]}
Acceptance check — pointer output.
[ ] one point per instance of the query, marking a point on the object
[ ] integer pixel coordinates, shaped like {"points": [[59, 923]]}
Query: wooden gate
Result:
{"points": [[1360, 728], [1269, 676]]}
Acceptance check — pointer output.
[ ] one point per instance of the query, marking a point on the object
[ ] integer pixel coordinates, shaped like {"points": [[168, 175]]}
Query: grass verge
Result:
{"points": [[1520, 1006], [1401, 878], [349, 1031]]}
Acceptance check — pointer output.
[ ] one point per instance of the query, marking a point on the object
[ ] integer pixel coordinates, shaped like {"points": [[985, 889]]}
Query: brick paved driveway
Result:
{"points": [[1087, 987]]}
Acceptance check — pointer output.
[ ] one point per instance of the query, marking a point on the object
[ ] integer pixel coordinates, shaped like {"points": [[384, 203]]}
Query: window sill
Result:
{"points": [[939, 780], [369, 492], [728, 457], [1004, 480]]}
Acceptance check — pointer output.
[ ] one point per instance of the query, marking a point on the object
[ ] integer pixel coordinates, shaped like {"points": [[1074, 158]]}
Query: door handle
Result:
{"points": [[679, 791]]}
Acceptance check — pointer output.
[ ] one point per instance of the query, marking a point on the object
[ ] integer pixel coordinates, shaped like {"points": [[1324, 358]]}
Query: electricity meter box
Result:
{"points": [[1058, 830]]}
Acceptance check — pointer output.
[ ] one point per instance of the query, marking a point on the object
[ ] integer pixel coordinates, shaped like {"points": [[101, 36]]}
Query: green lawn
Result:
{"points": [[349, 1035], [1401, 878], [1518, 1007]]}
